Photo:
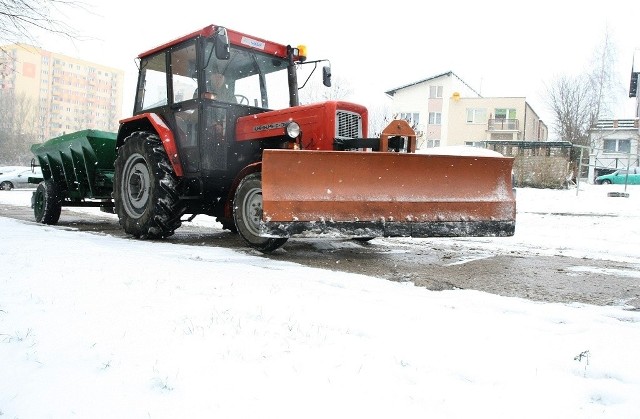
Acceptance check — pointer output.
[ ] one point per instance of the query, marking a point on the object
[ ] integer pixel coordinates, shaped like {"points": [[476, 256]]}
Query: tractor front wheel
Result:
{"points": [[247, 214]]}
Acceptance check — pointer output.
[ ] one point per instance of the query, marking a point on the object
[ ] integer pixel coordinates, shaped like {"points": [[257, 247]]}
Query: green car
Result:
{"points": [[620, 177]]}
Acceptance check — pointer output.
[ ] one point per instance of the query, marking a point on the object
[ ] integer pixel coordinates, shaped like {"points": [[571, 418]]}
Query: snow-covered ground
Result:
{"points": [[100, 327]]}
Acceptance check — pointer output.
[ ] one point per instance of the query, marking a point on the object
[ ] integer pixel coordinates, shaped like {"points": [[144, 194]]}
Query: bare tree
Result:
{"points": [[17, 130], [379, 115], [379, 118], [571, 101], [603, 79], [314, 91], [578, 102], [20, 20]]}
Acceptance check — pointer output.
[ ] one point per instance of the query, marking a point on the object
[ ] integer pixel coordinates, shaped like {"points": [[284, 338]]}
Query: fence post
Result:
{"points": [[579, 174]]}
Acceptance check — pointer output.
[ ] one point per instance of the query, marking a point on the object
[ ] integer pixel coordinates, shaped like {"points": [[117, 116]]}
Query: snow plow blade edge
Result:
{"points": [[384, 194]]}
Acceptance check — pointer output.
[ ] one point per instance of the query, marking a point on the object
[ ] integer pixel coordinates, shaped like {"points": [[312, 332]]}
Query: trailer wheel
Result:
{"points": [[46, 203], [247, 213], [144, 188]]}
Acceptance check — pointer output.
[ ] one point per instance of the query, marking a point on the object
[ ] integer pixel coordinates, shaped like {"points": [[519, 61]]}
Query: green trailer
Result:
{"points": [[77, 170]]}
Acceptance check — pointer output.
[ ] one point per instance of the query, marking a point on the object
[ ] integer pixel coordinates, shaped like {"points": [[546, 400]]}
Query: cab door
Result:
{"points": [[184, 104]]}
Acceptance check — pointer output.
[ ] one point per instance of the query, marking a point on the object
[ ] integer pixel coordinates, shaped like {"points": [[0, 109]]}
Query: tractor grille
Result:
{"points": [[348, 125]]}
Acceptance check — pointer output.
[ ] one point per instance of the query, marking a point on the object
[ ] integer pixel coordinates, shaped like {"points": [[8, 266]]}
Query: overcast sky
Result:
{"points": [[501, 49]]}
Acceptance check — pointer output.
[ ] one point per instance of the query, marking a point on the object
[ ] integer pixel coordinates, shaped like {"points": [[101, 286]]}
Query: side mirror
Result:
{"points": [[222, 44], [326, 76]]}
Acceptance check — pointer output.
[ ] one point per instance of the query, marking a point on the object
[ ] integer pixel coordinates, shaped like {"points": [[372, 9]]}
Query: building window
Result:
{"points": [[435, 92], [504, 113], [413, 118], [476, 116], [503, 136], [433, 143], [479, 144], [435, 118], [617, 146]]}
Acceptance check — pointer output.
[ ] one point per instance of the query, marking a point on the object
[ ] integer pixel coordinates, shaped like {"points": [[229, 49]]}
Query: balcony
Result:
{"points": [[502, 124], [618, 123]]}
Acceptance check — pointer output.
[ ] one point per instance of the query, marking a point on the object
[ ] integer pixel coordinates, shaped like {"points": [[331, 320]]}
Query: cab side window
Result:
{"points": [[184, 72], [152, 88]]}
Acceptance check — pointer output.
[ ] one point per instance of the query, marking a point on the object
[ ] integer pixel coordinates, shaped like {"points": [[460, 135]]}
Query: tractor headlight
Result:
{"points": [[293, 129]]}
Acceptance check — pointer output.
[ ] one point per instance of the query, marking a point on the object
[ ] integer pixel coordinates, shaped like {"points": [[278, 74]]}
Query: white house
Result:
{"points": [[614, 145], [445, 110]]}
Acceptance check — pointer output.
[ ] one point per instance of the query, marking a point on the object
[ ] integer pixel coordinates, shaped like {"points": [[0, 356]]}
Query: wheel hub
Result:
{"points": [[137, 185], [253, 210]]}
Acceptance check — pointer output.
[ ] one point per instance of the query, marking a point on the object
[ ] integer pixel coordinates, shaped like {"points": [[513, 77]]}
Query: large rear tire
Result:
{"points": [[144, 188], [247, 213], [46, 203]]}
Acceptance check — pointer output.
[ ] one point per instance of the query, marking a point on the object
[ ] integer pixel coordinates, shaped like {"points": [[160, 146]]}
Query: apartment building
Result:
{"points": [[65, 94], [444, 110]]}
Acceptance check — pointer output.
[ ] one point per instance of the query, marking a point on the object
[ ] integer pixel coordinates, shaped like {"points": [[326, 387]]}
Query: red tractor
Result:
{"points": [[217, 129]]}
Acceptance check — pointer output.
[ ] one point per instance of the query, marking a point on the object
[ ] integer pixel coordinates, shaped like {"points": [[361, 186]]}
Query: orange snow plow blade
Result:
{"points": [[386, 194]]}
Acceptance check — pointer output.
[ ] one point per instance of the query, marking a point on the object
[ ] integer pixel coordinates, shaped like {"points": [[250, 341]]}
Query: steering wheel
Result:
{"points": [[242, 100]]}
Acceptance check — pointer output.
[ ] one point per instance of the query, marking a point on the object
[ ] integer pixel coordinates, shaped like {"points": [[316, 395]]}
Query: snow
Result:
{"points": [[95, 326], [460, 150]]}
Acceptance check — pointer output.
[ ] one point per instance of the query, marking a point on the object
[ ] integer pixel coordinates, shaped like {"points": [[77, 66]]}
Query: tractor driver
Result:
{"points": [[217, 88]]}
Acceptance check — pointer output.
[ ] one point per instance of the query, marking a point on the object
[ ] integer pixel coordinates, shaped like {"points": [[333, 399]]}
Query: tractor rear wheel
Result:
{"points": [[144, 188], [247, 214], [46, 203]]}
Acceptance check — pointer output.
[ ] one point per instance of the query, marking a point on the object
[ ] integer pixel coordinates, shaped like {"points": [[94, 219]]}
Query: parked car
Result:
{"points": [[8, 169], [19, 178], [620, 177]]}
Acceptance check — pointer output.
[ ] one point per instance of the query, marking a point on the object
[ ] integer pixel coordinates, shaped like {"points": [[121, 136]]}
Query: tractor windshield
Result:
{"points": [[256, 79], [248, 77]]}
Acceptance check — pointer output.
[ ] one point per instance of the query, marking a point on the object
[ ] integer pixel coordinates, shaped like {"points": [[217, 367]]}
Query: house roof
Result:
{"points": [[446, 74]]}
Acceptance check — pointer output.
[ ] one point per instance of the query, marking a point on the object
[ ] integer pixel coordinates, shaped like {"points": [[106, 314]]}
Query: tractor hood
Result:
{"points": [[320, 123]]}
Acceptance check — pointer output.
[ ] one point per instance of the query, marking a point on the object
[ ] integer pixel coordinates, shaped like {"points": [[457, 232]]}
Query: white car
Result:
{"points": [[19, 178], [7, 169]]}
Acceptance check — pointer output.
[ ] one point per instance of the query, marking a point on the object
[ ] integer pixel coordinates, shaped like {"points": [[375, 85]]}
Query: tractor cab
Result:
{"points": [[201, 84]]}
